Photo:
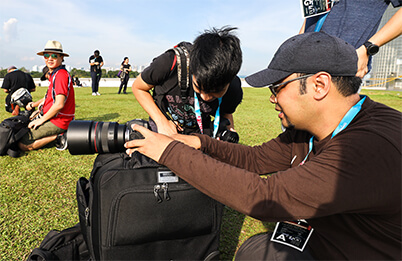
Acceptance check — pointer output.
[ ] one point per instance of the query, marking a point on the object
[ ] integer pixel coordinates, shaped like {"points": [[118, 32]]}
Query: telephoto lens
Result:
{"points": [[89, 137]]}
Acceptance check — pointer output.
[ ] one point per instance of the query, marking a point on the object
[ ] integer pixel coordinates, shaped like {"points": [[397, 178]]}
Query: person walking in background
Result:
{"points": [[96, 62], [125, 69], [14, 80]]}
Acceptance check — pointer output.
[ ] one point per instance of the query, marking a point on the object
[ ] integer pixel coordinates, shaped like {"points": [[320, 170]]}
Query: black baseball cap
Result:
{"points": [[308, 53]]}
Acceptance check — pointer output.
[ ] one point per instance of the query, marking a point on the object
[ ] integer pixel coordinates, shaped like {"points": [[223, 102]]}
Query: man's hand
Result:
{"points": [[35, 124], [153, 144], [362, 62]]}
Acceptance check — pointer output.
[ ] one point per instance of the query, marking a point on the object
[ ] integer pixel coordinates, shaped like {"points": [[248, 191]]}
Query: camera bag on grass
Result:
{"points": [[11, 131], [132, 208], [67, 244]]}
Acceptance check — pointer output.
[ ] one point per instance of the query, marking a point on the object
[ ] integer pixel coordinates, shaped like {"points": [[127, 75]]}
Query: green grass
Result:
{"points": [[37, 190]]}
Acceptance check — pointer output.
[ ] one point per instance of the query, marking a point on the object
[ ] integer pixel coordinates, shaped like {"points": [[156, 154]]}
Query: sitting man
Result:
{"points": [[57, 108], [337, 167], [213, 89], [14, 80]]}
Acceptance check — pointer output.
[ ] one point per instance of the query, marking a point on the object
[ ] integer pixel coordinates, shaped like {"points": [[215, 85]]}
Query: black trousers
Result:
{"points": [[260, 247], [95, 80], [123, 83]]}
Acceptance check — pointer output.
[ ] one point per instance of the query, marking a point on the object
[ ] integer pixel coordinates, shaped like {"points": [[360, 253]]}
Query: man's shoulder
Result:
{"points": [[160, 69]]}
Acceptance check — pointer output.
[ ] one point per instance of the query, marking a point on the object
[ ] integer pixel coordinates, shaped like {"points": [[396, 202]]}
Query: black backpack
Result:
{"points": [[67, 244], [132, 208], [11, 131]]}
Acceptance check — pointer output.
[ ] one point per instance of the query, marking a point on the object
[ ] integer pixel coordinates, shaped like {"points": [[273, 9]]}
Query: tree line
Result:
{"points": [[75, 73]]}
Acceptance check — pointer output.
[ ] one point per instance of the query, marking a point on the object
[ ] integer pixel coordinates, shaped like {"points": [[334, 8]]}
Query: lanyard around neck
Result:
{"points": [[199, 118], [349, 116]]}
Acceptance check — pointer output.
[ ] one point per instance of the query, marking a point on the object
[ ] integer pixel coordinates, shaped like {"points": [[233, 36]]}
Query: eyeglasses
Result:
{"points": [[53, 55], [275, 88]]}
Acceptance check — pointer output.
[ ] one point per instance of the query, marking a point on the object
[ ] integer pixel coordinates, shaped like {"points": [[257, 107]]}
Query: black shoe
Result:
{"points": [[61, 141]]}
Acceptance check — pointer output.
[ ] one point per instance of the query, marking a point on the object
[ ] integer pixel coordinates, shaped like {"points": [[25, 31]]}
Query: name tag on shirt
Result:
{"points": [[312, 8], [292, 233]]}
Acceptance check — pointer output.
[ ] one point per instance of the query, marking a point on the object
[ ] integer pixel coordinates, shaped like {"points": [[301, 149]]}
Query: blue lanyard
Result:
{"points": [[199, 118], [349, 116]]}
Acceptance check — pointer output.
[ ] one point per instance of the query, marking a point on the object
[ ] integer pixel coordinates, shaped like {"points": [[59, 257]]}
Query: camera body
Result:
{"points": [[226, 135]]}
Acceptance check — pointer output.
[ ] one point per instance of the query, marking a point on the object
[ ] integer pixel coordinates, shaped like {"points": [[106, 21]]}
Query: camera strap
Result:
{"points": [[199, 118]]}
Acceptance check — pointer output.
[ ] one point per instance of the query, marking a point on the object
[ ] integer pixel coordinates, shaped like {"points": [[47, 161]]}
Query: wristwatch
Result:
{"points": [[371, 48]]}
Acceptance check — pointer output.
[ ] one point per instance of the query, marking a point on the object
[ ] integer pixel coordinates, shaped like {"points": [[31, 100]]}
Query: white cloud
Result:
{"points": [[10, 29]]}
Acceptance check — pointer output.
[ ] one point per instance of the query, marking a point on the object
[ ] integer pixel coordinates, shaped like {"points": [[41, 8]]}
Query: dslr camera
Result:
{"points": [[90, 137]]}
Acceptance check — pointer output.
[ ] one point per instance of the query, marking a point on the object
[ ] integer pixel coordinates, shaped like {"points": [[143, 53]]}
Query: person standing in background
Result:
{"points": [[125, 69], [96, 62]]}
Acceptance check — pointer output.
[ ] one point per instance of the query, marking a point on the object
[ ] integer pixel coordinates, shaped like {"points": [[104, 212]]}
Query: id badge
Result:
{"points": [[312, 8], [292, 233]]}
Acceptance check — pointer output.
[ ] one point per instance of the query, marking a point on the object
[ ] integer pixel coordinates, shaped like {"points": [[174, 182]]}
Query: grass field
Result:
{"points": [[37, 190]]}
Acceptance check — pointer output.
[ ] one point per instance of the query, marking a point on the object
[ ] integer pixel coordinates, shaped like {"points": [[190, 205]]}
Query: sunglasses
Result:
{"points": [[53, 55], [276, 88]]}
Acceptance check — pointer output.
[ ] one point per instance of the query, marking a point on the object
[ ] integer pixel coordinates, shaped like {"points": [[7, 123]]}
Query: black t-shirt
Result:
{"points": [[18, 79], [92, 59], [167, 95]]}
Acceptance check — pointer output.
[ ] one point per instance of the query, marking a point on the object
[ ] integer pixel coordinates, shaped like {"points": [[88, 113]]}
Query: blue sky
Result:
{"points": [[140, 30]]}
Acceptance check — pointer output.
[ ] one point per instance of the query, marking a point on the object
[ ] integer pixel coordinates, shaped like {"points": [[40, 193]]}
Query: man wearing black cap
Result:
{"points": [[14, 80], [336, 187]]}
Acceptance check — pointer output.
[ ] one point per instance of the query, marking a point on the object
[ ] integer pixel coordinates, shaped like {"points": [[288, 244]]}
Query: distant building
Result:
{"points": [[35, 68], [387, 70]]}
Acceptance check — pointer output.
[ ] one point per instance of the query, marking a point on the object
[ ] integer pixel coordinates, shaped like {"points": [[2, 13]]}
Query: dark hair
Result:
{"points": [[96, 52], [346, 85], [215, 59], [124, 60]]}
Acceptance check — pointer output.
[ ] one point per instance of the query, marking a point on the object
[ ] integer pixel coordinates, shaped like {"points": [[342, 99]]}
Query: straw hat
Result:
{"points": [[53, 47]]}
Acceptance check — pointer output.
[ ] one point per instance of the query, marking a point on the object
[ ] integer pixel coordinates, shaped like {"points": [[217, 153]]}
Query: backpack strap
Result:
{"points": [[41, 255], [183, 68]]}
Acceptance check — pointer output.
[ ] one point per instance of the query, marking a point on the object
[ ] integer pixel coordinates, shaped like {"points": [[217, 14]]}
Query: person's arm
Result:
{"points": [[93, 60], [32, 105], [6, 84], [56, 107], [302, 29], [328, 183], [230, 118], [141, 92], [391, 30]]}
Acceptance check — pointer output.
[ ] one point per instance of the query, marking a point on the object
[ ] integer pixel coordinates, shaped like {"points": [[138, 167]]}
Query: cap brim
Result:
{"points": [[266, 77]]}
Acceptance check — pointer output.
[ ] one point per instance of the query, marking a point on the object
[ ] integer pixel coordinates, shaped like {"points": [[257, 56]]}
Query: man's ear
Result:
{"points": [[322, 82]]}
